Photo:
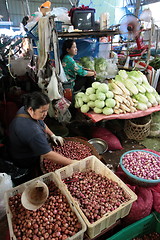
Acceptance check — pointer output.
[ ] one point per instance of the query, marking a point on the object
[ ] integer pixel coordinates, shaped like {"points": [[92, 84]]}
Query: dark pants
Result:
{"points": [[85, 82]]}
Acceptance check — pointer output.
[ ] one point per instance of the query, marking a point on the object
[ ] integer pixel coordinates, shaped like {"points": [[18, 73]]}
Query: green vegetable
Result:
{"points": [[80, 94], [103, 87], [93, 97], [101, 96], [123, 74], [91, 104], [97, 110], [95, 85], [107, 111], [130, 86], [100, 65], [87, 62], [110, 103], [155, 63], [147, 87], [135, 77], [109, 94], [140, 88], [141, 106], [84, 108], [90, 91], [76, 104], [149, 104], [141, 98], [144, 78], [85, 98], [99, 104], [79, 102], [151, 98]]}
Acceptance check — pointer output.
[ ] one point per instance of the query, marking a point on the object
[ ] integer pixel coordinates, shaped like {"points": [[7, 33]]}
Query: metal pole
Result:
{"points": [[28, 9], [138, 3]]}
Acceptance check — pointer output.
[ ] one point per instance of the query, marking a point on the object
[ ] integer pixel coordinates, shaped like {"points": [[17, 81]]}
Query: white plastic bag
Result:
{"points": [[5, 185], [52, 88], [61, 14]]}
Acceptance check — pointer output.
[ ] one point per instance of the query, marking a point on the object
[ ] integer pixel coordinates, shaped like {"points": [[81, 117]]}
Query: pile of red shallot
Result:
{"points": [[151, 236], [55, 220], [96, 194], [142, 164], [70, 149]]}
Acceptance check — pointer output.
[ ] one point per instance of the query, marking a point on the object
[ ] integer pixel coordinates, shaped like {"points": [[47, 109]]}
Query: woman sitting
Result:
{"points": [[78, 77]]}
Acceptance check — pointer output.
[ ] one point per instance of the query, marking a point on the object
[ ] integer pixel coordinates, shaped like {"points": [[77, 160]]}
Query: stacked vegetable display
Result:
{"points": [[127, 93]]}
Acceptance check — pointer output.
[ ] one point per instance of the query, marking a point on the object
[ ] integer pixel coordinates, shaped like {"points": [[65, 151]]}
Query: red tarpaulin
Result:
{"points": [[96, 117]]}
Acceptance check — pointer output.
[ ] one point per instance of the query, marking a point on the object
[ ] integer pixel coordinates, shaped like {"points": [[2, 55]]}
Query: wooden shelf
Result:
{"points": [[80, 34]]}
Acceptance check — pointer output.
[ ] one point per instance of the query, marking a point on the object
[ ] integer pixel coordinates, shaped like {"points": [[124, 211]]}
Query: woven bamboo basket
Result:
{"points": [[136, 129]]}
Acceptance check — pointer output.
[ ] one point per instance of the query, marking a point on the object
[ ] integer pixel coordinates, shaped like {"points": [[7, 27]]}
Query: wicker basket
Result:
{"points": [[136, 129]]}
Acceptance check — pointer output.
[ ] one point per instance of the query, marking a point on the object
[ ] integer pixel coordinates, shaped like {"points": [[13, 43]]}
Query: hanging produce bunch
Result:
{"points": [[127, 93]]}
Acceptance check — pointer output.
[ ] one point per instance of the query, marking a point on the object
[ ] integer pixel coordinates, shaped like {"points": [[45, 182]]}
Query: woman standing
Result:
{"points": [[28, 134], [77, 76]]}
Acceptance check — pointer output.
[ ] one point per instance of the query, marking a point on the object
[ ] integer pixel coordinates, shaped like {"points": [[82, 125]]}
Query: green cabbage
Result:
{"points": [[107, 111], [92, 97], [103, 87], [101, 96], [91, 104], [90, 90], [100, 65], [84, 108], [99, 104], [95, 85], [110, 102], [85, 98], [109, 94], [87, 62], [97, 110]]}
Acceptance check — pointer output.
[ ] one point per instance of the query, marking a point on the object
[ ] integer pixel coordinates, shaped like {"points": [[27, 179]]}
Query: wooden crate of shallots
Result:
{"points": [[40, 223], [99, 195]]}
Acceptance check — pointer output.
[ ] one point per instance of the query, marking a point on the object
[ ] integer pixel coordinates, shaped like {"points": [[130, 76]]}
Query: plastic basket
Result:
{"points": [[137, 180], [135, 130], [46, 179], [93, 163], [146, 225]]}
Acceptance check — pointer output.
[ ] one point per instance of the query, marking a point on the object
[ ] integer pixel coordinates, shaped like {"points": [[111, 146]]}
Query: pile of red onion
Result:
{"points": [[55, 220], [70, 149], [142, 164], [96, 194], [73, 150]]}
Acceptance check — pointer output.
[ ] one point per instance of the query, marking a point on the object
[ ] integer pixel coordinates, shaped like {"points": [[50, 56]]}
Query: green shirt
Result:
{"points": [[72, 69]]}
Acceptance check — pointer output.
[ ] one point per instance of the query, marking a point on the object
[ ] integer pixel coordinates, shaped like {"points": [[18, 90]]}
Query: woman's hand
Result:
{"points": [[57, 140]]}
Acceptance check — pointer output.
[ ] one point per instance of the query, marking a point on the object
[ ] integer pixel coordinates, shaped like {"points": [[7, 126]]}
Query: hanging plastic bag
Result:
{"points": [[62, 105], [5, 184], [52, 88]]}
